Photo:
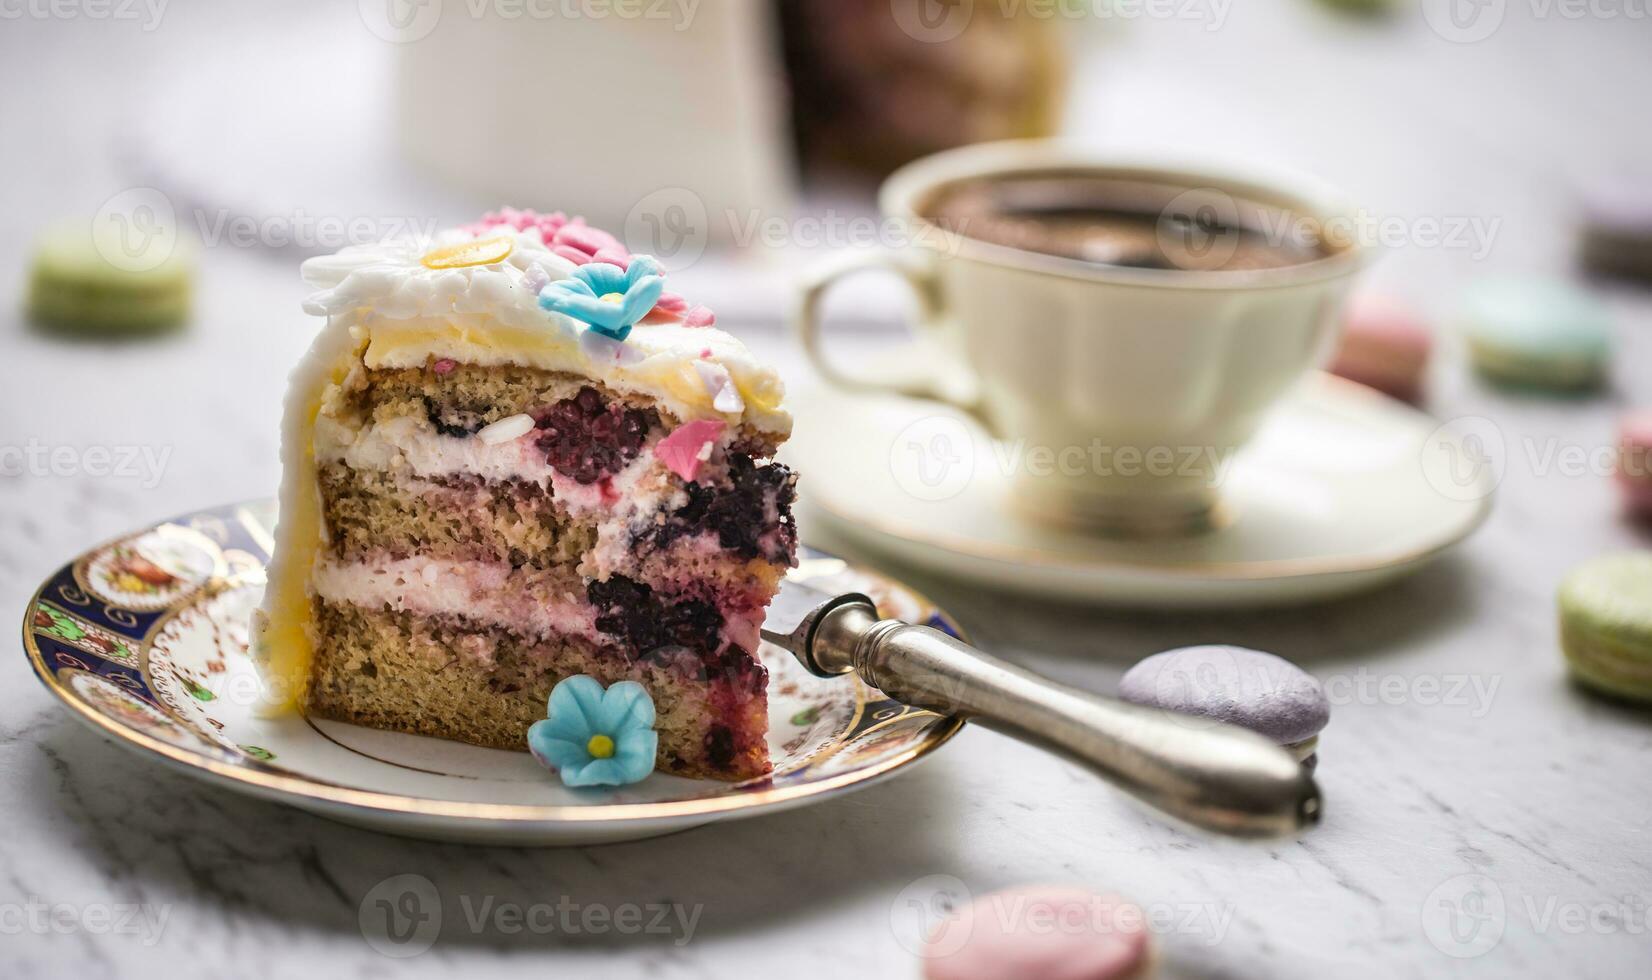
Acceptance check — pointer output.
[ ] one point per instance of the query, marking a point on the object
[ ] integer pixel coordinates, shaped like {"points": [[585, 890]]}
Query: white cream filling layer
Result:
{"points": [[405, 445], [483, 592]]}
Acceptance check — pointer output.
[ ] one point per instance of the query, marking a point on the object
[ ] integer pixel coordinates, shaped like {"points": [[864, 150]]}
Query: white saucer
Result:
{"points": [[1344, 489]]}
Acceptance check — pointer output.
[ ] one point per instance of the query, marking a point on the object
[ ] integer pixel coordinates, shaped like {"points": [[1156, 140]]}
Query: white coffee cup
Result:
{"points": [[1134, 385]]}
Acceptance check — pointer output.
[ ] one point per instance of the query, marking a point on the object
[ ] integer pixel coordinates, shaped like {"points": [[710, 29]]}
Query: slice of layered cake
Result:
{"points": [[511, 458]]}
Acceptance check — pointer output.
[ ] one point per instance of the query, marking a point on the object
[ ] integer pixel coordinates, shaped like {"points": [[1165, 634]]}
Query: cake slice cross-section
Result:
{"points": [[482, 497]]}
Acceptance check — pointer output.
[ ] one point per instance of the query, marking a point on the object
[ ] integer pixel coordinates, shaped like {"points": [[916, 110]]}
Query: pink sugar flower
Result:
{"points": [[546, 224], [580, 243], [673, 308]]}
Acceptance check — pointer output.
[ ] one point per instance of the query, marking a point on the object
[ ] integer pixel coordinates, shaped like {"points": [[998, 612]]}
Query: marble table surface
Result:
{"points": [[1458, 755]]}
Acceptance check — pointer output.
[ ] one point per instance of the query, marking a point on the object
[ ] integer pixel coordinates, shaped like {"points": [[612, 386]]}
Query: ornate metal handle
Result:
{"points": [[1215, 776]]}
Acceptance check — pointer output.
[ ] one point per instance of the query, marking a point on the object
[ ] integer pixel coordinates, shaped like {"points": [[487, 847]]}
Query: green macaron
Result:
{"points": [[1606, 624], [84, 284], [1536, 334], [1363, 8]]}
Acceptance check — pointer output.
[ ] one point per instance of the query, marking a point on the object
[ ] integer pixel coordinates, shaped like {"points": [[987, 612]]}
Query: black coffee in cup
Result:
{"points": [[1126, 223]]}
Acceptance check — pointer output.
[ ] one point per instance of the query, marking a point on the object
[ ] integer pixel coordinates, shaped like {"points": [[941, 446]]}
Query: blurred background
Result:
{"points": [[736, 137], [742, 142]]}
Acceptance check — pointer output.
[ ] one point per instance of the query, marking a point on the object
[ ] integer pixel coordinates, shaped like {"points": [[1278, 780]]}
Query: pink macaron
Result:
{"points": [[1385, 345], [1053, 932], [1634, 471]]}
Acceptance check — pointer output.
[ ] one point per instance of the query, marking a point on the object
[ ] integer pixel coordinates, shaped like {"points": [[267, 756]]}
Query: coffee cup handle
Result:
{"points": [[955, 387]]}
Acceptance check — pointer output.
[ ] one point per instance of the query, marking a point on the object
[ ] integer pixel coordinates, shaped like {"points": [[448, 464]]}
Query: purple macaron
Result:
{"points": [[1259, 691]]}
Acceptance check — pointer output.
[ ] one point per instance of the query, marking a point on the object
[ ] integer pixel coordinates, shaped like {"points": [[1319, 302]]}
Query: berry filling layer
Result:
{"points": [[516, 527]]}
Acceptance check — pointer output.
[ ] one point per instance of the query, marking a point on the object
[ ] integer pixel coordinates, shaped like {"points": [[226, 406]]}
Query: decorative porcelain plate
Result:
{"points": [[1343, 489], [145, 639]]}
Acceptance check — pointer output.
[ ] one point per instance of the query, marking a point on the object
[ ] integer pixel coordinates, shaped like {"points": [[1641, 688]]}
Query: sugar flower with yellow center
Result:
{"points": [[607, 297], [596, 737]]}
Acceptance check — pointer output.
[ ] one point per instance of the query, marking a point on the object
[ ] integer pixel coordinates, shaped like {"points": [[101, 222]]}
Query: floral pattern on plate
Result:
{"points": [[155, 569], [169, 663], [49, 620]]}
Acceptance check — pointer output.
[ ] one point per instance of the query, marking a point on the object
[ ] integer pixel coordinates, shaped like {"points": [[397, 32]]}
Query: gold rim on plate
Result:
{"points": [[267, 782]]}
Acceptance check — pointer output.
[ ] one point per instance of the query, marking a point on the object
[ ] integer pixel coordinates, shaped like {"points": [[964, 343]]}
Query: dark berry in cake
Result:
{"points": [[646, 621], [586, 439], [720, 746], [751, 517], [457, 423]]}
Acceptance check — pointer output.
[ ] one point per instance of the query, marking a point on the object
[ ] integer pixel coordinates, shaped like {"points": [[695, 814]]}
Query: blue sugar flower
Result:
{"points": [[595, 737], [607, 297]]}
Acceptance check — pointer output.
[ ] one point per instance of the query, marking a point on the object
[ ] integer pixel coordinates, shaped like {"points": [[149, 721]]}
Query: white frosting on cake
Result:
{"points": [[386, 309], [489, 315], [483, 592]]}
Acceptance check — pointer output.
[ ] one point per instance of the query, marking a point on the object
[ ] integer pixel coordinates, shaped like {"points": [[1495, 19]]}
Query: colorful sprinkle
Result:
{"points": [[690, 445], [719, 384], [506, 430]]}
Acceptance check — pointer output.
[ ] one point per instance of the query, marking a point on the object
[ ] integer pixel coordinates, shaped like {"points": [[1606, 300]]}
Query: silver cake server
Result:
{"points": [[1216, 776]]}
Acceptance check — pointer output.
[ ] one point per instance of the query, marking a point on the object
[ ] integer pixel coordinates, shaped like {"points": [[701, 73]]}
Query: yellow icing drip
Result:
{"points": [[485, 252], [285, 646]]}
